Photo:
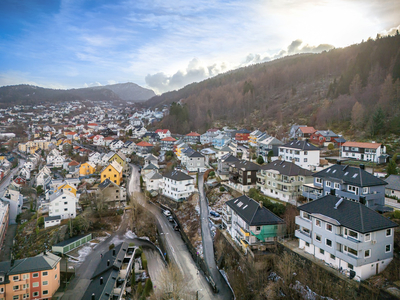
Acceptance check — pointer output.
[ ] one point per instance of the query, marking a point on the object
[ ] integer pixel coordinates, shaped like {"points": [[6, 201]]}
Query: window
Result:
{"points": [[367, 237], [45, 282], [328, 227], [367, 253], [351, 250], [25, 286], [307, 244], [16, 287], [353, 189], [328, 184], [351, 233], [55, 276], [65, 203], [35, 275], [318, 223], [306, 215], [258, 228], [305, 152], [318, 180], [365, 190], [321, 251], [305, 160], [388, 232], [35, 284], [333, 256], [45, 273], [35, 294], [46, 292], [387, 248], [336, 185], [1, 290], [318, 238], [16, 297], [15, 278], [328, 243], [350, 266]]}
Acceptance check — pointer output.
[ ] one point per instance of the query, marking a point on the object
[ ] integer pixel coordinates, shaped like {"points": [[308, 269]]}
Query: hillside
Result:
{"points": [[354, 89], [28, 94]]}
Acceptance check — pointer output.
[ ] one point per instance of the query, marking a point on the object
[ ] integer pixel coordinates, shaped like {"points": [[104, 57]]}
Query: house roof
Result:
{"points": [[286, 168], [393, 182], [154, 175], [196, 154], [350, 175], [52, 218], [151, 157], [150, 166], [307, 129], [31, 264], [169, 139], [229, 158], [178, 176], [252, 212], [106, 183], [353, 215], [193, 134], [245, 165], [73, 163], [301, 145], [162, 130], [326, 133], [144, 144], [362, 145]]}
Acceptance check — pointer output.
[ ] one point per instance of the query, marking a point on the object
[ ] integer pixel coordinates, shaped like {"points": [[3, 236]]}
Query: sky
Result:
{"points": [[165, 45]]}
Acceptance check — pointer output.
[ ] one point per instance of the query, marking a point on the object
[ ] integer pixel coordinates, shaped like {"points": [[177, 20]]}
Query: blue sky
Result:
{"points": [[165, 45]]}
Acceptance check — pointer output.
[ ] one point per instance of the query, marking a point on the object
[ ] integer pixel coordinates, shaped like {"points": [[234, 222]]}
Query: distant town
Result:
{"points": [[97, 202]]}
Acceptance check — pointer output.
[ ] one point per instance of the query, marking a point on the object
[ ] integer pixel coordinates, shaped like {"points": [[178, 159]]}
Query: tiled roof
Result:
{"points": [[362, 145], [193, 134], [252, 212], [144, 144], [353, 215], [178, 176], [393, 182], [286, 168], [301, 145], [307, 129], [169, 139], [40, 262]]}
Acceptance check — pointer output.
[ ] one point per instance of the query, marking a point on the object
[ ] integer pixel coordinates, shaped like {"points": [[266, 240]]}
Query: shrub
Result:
{"points": [[40, 222], [138, 252], [212, 174], [331, 147], [144, 261], [260, 160], [221, 189], [112, 246], [148, 286], [396, 214]]}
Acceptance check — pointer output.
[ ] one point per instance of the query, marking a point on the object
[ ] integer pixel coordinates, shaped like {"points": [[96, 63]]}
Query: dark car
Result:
{"points": [[214, 214], [171, 219]]}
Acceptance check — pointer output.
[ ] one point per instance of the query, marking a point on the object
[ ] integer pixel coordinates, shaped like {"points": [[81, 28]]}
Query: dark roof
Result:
{"points": [[196, 154], [71, 240], [301, 145], [177, 175], [229, 158], [393, 182], [252, 213], [31, 264], [350, 175], [286, 168], [353, 215], [104, 184], [245, 165], [52, 218]]}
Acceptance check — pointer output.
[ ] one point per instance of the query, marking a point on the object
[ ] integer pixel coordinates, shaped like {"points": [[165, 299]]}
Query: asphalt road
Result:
{"points": [[176, 248], [6, 181], [208, 247]]}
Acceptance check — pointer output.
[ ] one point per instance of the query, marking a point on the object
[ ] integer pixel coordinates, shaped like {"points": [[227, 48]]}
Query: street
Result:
{"points": [[176, 248]]}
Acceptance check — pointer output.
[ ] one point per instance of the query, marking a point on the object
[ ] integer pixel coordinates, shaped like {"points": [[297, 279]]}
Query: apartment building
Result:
{"points": [[346, 235], [302, 153], [177, 185], [243, 175], [375, 152], [35, 277]]}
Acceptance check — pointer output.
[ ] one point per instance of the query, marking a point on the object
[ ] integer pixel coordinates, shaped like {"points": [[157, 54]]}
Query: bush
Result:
{"points": [[144, 261], [112, 246], [396, 214], [221, 189], [211, 174], [40, 222], [331, 147], [138, 252], [148, 286], [260, 160]]}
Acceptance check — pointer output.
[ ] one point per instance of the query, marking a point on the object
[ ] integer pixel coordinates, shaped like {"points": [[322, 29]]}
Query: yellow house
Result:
{"points": [[67, 187], [87, 168], [120, 158], [113, 172]]}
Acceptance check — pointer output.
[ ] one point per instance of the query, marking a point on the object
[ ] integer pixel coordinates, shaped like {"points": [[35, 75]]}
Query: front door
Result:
{"points": [[362, 156]]}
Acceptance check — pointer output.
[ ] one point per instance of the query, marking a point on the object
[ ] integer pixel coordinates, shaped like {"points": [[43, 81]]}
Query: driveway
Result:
{"points": [[208, 246], [176, 248]]}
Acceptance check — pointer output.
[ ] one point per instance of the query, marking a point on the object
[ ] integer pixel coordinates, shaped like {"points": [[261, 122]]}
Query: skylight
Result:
{"points": [[355, 175], [346, 173], [334, 171], [240, 204], [327, 171], [245, 206]]}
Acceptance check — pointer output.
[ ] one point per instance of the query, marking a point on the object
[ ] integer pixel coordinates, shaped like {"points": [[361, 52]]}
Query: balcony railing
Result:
{"points": [[303, 222], [303, 236]]}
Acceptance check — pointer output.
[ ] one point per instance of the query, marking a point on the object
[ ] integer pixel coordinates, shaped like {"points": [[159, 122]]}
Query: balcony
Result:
{"points": [[303, 236], [347, 257], [303, 222], [348, 241]]}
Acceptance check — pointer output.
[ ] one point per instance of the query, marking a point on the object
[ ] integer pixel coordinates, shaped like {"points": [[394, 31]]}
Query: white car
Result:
{"points": [[167, 213]]}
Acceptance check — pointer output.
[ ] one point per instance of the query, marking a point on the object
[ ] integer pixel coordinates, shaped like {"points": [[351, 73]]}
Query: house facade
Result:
{"points": [[63, 204], [195, 162], [192, 138], [302, 153], [392, 189], [323, 137], [113, 172], [347, 235], [177, 185], [224, 163], [283, 180], [350, 183], [250, 224], [375, 152], [268, 144], [114, 196], [243, 175]]}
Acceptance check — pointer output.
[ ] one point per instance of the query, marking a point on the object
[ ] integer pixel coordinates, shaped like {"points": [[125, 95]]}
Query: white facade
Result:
{"points": [[306, 159], [98, 140], [363, 151], [63, 204], [177, 190], [116, 145]]}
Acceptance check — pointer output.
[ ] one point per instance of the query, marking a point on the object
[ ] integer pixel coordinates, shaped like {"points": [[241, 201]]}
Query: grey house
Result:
{"points": [[223, 165], [346, 235], [267, 144], [349, 183]]}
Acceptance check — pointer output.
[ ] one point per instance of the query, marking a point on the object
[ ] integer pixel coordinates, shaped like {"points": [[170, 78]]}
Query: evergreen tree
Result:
{"points": [[377, 122], [392, 166], [260, 160], [148, 286]]}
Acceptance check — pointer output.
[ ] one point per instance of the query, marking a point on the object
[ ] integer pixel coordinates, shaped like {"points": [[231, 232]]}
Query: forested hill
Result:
{"points": [[354, 89]]}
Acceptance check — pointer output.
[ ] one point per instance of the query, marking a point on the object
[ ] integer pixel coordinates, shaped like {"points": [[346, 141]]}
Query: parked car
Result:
{"points": [[214, 214], [167, 213], [176, 226], [171, 219]]}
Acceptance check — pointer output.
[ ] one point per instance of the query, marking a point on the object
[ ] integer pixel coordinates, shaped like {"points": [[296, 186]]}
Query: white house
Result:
{"points": [[177, 185], [115, 145], [15, 199], [95, 157], [52, 221], [347, 235], [153, 181], [375, 152], [302, 153], [98, 140], [43, 177], [63, 204]]}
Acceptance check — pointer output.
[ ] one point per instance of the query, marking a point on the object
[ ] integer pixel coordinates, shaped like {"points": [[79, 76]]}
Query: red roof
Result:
{"points": [[92, 124], [169, 139], [19, 180], [73, 163], [362, 145], [144, 144], [109, 138], [308, 129], [193, 134], [71, 133], [162, 130]]}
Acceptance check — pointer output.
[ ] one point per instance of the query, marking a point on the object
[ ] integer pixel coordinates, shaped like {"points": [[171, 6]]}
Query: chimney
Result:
{"points": [[362, 167], [108, 263], [113, 252], [101, 280], [338, 162], [93, 296], [261, 203]]}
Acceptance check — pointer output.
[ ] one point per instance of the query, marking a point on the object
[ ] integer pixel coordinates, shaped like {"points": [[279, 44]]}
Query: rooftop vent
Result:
{"points": [[101, 280], [108, 263], [338, 203], [261, 203], [362, 167]]}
